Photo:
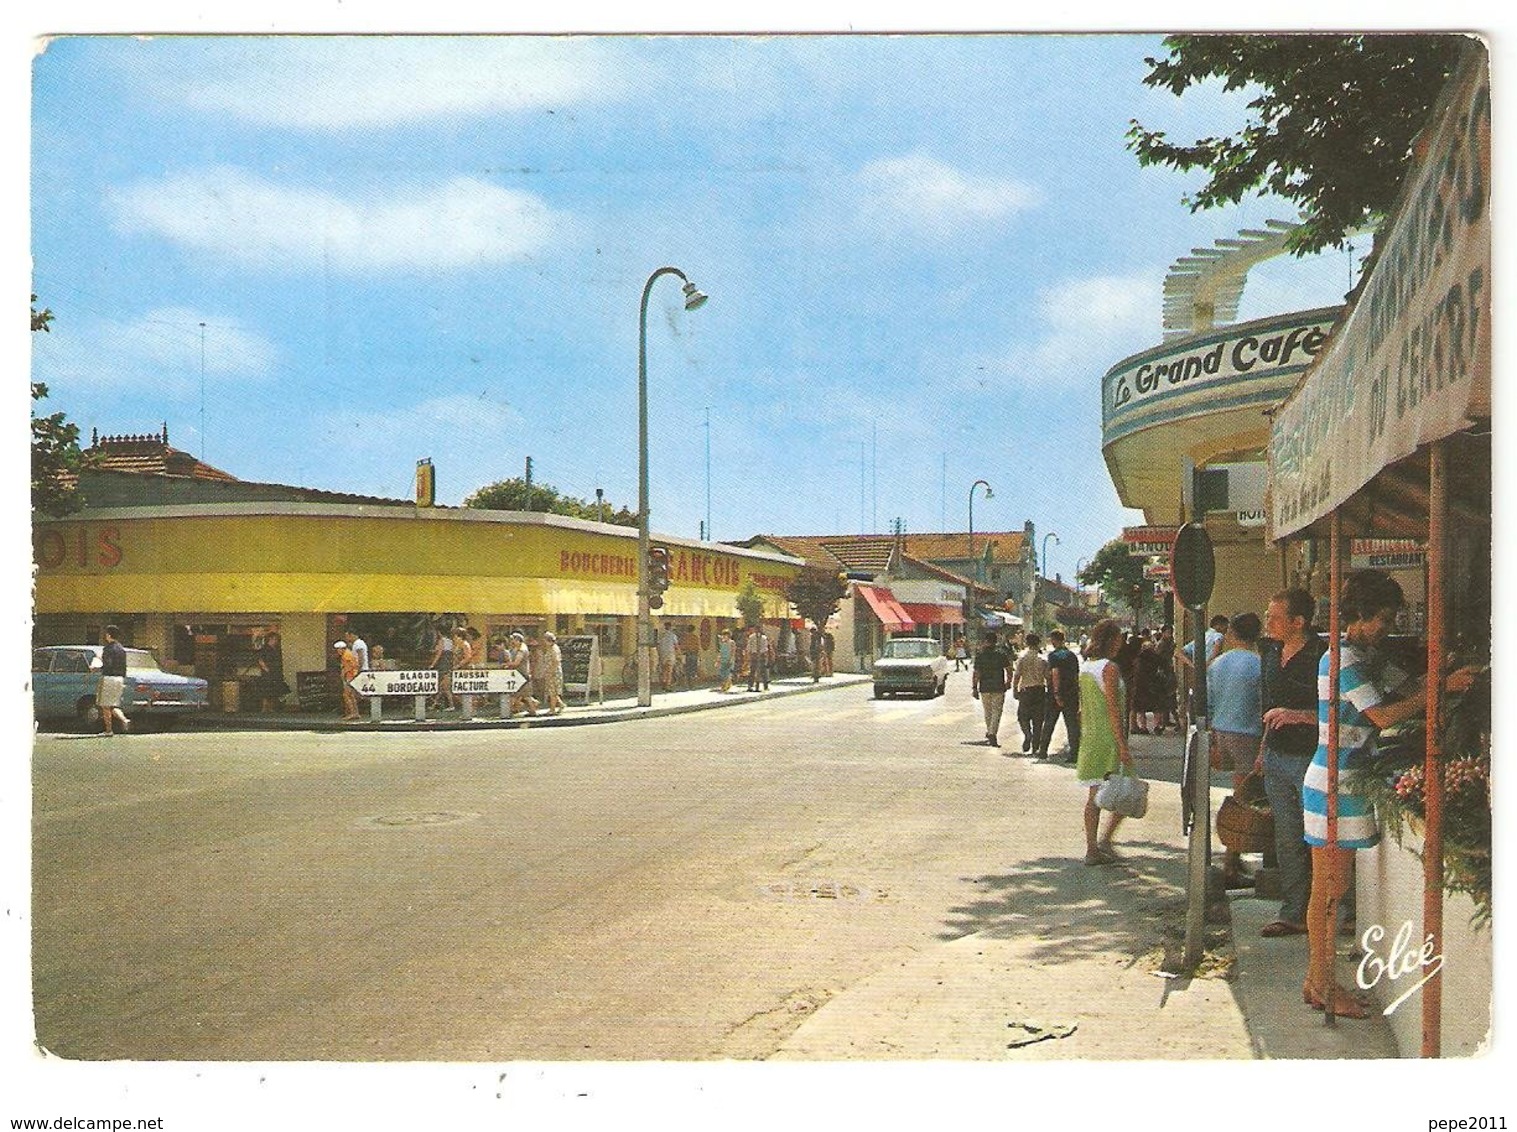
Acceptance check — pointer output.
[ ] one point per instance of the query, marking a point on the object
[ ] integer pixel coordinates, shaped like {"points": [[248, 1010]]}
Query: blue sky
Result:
{"points": [[922, 253]]}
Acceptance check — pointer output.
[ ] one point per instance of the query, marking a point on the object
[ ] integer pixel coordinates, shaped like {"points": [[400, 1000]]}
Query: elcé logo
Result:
{"points": [[1400, 961]]}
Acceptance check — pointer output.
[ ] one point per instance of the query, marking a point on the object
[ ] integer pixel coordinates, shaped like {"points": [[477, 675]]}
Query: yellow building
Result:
{"points": [[204, 584]]}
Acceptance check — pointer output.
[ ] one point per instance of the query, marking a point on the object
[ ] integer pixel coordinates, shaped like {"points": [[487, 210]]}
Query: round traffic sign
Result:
{"points": [[1193, 569]]}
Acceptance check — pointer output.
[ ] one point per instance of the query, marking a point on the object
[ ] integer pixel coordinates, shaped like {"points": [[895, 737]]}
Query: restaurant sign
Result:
{"points": [[1251, 362], [1144, 542], [1387, 554], [1411, 363]]}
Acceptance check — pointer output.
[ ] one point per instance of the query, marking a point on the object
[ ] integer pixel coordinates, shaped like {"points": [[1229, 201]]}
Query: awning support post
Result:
{"points": [[1432, 844]]}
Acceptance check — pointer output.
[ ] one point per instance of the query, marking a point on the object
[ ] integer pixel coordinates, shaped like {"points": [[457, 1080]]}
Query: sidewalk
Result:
{"points": [[1063, 962], [399, 711]]}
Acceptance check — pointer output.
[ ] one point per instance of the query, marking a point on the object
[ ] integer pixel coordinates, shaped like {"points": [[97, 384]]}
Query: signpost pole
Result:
{"points": [[421, 709], [376, 708], [1193, 571]]}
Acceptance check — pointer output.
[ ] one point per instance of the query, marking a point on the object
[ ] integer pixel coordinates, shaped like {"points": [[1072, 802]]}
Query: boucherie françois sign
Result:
{"points": [[1411, 362]]}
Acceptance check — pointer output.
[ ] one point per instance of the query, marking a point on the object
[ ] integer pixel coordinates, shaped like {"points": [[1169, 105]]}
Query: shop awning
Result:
{"points": [[1410, 364], [892, 616], [930, 614]]}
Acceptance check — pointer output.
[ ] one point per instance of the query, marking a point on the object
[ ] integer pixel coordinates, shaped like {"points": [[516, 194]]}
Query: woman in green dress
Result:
{"points": [[1103, 740]]}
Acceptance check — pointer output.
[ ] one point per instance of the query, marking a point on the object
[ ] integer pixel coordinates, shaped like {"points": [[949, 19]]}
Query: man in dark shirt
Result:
{"points": [[988, 682], [1288, 691], [112, 681], [1063, 695]]}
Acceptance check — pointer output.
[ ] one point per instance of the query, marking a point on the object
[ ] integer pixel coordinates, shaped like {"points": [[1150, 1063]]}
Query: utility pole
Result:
{"points": [[706, 534], [529, 483]]}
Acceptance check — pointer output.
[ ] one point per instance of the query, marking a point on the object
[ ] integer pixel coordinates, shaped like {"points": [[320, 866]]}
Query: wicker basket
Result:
{"points": [[1245, 827]]}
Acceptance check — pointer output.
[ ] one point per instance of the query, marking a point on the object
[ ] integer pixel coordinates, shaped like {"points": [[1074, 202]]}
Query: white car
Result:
{"points": [[911, 664], [65, 678]]}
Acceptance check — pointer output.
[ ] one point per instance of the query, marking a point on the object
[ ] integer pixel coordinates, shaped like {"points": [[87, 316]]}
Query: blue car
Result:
{"points": [[65, 677]]}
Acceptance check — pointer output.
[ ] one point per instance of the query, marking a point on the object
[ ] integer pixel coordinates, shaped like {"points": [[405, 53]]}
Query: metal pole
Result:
{"points": [[707, 534], [1199, 860], [1432, 779], [1327, 934], [644, 608]]}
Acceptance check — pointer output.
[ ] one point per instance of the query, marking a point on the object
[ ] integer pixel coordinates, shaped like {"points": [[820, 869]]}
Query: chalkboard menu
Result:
{"points": [[313, 691], [578, 656]]}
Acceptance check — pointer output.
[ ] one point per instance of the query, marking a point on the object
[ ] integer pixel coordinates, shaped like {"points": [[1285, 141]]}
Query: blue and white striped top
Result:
{"points": [[1362, 684]]}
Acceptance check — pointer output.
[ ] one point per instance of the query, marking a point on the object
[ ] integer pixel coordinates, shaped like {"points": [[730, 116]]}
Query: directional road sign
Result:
{"points": [[418, 682], [486, 681]]}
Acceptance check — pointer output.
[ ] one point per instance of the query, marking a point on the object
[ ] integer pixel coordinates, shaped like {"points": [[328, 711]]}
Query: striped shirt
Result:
{"points": [[1363, 684]]}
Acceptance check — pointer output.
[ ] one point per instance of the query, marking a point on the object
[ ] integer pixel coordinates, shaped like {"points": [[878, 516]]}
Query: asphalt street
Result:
{"points": [[703, 886]]}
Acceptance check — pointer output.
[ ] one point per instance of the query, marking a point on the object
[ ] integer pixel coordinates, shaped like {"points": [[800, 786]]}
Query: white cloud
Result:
{"points": [[1086, 325], [230, 213], [343, 82], [159, 351], [921, 194]]}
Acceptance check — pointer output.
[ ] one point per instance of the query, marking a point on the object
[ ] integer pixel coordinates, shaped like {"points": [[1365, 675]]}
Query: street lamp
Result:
{"points": [[1078, 563], [1043, 558], [693, 299], [988, 495]]}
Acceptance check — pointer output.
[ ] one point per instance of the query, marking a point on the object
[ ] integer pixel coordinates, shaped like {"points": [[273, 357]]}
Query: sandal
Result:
{"points": [[1345, 1005], [1279, 928], [1096, 857]]}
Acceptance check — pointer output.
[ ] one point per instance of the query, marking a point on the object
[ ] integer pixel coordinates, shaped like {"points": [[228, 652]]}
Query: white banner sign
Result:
{"points": [[418, 682], [1411, 362], [486, 681]]}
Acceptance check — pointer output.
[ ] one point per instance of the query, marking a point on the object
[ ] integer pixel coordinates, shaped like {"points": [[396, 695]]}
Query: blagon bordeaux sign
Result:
{"points": [[1411, 363], [1233, 367]]}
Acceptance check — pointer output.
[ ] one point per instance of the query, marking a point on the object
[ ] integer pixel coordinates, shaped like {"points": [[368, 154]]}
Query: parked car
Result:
{"points": [[64, 679], [911, 664]]}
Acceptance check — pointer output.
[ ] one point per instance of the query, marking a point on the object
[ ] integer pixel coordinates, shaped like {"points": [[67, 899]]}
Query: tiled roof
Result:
{"points": [[864, 553], [872, 552], [148, 454], [1007, 545]]}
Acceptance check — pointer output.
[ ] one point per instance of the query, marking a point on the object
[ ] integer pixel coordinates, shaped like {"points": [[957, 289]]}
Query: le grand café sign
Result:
{"points": [[1233, 365]]}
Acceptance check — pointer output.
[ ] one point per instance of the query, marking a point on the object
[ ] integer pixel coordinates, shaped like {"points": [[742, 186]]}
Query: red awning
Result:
{"points": [[928, 614], [892, 617]]}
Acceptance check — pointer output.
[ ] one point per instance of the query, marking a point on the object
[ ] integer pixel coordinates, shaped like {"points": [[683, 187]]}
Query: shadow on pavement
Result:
{"points": [[1077, 911]]}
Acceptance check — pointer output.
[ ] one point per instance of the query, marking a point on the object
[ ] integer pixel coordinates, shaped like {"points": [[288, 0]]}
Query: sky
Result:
{"points": [[318, 260]]}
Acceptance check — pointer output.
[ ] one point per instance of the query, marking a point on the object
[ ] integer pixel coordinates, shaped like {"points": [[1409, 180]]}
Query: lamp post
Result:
{"points": [[1043, 558], [1078, 563], [989, 494], [693, 299]]}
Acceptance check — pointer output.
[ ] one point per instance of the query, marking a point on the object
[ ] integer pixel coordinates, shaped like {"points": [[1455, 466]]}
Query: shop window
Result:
{"points": [[609, 631]]}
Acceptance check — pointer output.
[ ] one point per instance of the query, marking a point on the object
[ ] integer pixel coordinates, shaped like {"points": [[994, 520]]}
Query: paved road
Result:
{"points": [[685, 888]]}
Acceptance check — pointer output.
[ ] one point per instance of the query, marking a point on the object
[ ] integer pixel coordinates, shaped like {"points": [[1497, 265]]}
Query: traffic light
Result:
{"points": [[658, 575]]}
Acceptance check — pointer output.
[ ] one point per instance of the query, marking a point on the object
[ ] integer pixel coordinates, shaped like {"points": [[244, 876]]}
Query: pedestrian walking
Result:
{"points": [[668, 648], [1103, 738], [1232, 698], [553, 674], [347, 663], [960, 654], [1063, 698], [112, 688], [726, 656], [520, 658], [272, 687], [988, 680], [1288, 659], [829, 645], [1029, 683], [442, 660], [360, 649], [755, 648]]}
